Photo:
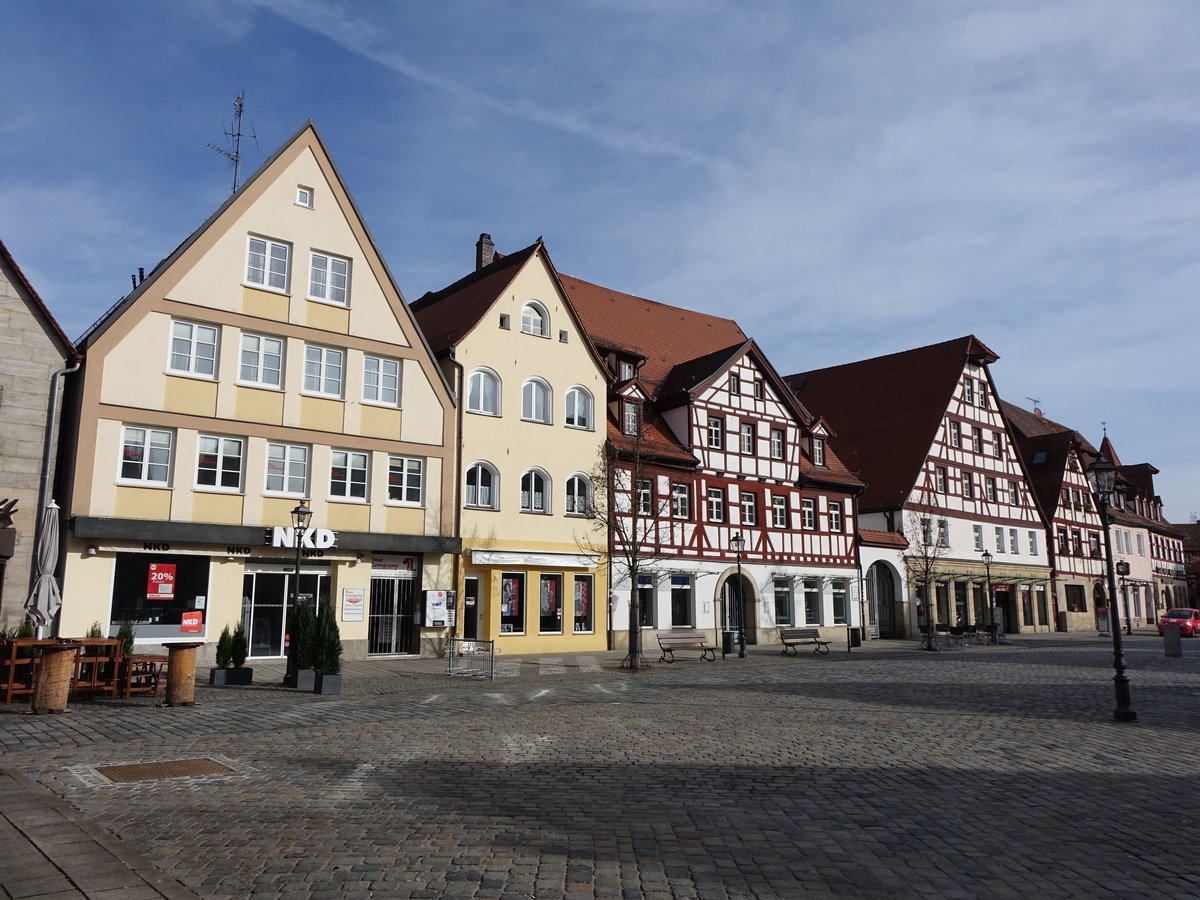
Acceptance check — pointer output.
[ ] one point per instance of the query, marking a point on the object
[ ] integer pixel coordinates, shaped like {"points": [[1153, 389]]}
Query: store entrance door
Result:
{"points": [[393, 624], [267, 605]]}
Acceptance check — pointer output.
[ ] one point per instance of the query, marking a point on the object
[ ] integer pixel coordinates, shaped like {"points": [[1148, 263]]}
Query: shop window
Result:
{"points": [[583, 604], [812, 603], [783, 601], [1076, 598], [550, 605], [646, 601], [512, 603], [152, 592], [681, 602]]}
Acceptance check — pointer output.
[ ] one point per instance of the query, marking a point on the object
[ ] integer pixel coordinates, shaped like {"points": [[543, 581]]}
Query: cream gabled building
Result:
{"points": [[532, 429], [269, 360]]}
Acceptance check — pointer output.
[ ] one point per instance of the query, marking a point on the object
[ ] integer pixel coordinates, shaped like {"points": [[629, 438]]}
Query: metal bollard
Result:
{"points": [[1172, 646]]}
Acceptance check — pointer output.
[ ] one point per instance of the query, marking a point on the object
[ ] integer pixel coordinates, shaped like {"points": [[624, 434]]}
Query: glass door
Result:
{"points": [[267, 606]]}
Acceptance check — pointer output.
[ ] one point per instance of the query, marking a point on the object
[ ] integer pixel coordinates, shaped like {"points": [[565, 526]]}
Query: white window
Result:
{"points": [[758, 390], [749, 508], [779, 512], [716, 433], [579, 408], [940, 478], [645, 497], [990, 484], [835, 517], [1033, 543], [681, 501], [978, 538], [193, 349], [747, 433], [943, 533], [777, 443], [969, 390], [482, 487], [535, 492], [287, 469], [381, 380], [267, 264], [579, 496], [483, 392], [1014, 494], [323, 369], [535, 320], [735, 384], [219, 463], [1014, 543], [977, 439], [999, 539], [146, 455], [406, 480], [625, 369], [968, 484], [535, 401], [716, 505], [261, 361], [631, 417], [998, 445], [1141, 544], [348, 474], [955, 433], [329, 279], [808, 514], [983, 394], [818, 451], [304, 196]]}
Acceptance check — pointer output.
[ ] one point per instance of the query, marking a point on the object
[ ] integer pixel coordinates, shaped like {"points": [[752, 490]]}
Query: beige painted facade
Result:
{"points": [[269, 361], [535, 581]]}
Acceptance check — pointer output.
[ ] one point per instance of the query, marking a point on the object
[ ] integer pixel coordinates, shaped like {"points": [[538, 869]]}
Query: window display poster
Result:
{"points": [[353, 602], [583, 597], [549, 596], [160, 581], [510, 597], [192, 622]]}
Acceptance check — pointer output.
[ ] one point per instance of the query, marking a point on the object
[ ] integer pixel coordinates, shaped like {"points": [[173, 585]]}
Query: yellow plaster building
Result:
{"points": [[533, 574], [269, 361]]}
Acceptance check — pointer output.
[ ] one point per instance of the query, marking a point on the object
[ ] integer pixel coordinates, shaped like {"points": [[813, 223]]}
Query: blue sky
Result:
{"points": [[846, 179]]}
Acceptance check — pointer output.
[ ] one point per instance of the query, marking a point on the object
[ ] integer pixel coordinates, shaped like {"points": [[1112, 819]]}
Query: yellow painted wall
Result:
{"points": [[404, 520], [223, 509], [379, 421], [259, 405], [327, 317], [348, 516], [264, 304], [142, 503], [192, 396], [321, 414]]}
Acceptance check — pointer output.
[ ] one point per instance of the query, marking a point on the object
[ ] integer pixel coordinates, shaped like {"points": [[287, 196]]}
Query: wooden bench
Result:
{"points": [[669, 644], [795, 637]]}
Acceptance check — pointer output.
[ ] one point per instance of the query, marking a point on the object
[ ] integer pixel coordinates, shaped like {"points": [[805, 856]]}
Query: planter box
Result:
{"points": [[235, 675], [301, 679], [328, 684]]}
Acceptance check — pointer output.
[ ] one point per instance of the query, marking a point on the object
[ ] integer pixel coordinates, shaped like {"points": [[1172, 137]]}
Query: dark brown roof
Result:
{"points": [[886, 411], [1024, 423], [889, 539], [39, 309]]}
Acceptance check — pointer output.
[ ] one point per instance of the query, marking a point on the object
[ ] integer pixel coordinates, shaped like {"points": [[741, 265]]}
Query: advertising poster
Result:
{"points": [[583, 590], [353, 602], [160, 581], [192, 622]]}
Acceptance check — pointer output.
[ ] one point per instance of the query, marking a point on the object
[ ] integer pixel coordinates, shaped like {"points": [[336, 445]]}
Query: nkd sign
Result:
{"points": [[310, 538]]}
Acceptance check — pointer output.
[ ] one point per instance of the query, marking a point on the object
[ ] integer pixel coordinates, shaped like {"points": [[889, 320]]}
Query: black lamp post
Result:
{"points": [[1123, 570], [301, 516], [987, 598], [739, 544], [1102, 476]]}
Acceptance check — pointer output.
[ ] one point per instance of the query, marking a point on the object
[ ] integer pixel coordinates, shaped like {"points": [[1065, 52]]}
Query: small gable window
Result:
{"points": [[535, 319]]}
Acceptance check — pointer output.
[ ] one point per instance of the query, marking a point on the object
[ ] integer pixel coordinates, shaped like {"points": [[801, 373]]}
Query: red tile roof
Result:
{"points": [[886, 411], [888, 539], [40, 310]]}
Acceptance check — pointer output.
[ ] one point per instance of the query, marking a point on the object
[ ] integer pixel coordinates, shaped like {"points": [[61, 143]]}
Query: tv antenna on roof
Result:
{"points": [[234, 133], [1035, 401]]}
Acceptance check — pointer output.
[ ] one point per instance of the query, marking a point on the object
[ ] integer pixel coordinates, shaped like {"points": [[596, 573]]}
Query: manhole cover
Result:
{"points": [[174, 768]]}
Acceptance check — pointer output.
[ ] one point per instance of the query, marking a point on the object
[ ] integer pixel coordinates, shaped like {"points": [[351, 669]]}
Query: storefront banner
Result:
{"points": [[398, 566], [353, 603], [160, 581], [282, 554], [533, 559]]}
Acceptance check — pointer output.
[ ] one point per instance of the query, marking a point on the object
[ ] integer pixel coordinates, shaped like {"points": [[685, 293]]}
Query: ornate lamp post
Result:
{"points": [[301, 516], [987, 598], [1102, 476], [739, 544], [1123, 570]]}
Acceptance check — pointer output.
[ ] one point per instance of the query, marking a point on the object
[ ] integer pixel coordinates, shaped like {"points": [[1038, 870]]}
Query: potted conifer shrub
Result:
{"points": [[328, 654], [232, 649], [216, 675], [302, 633]]}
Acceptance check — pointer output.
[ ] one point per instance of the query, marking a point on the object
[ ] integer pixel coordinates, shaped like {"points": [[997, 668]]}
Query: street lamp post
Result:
{"points": [[1102, 476], [739, 544], [1123, 570], [987, 598], [301, 516]]}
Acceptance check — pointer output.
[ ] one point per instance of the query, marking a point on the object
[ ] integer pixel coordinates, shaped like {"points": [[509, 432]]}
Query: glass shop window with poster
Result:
{"points": [[153, 591], [512, 603], [583, 604], [550, 605]]}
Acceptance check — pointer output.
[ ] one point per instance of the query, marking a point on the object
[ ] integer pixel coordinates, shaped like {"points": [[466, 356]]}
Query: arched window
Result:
{"points": [[536, 401], [579, 408], [483, 487], [535, 492], [483, 392], [535, 319], [579, 496]]}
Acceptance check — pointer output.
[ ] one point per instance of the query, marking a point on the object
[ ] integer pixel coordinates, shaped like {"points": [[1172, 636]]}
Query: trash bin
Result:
{"points": [[855, 637], [1061, 624], [728, 642]]}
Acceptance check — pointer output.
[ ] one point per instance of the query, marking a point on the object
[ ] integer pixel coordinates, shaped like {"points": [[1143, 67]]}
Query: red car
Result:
{"points": [[1188, 621]]}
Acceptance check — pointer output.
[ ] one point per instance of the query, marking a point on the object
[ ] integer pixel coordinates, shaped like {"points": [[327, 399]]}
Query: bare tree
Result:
{"points": [[928, 542]]}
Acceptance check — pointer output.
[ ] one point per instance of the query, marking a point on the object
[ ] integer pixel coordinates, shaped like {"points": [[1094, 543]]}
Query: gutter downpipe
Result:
{"points": [[47, 450], [456, 567]]}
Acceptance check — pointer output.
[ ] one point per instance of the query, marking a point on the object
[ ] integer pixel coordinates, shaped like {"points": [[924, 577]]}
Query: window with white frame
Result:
{"points": [[579, 496], [999, 539], [735, 384], [324, 368], [193, 349], [483, 392], [747, 437], [978, 538], [1141, 544], [483, 487], [968, 485], [329, 279], [939, 474], [348, 475], [716, 505], [1014, 543], [406, 480], [267, 264], [381, 380], [779, 512], [749, 508], [261, 361], [758, 389], [969, 390], [977, 439], [146, 455], [535, 319], [631, 417], [536, 401], [304, 196], [990, 484], [782, 589], [579, 408], [812, 602], [808, 514], [1014, 494], [219, 462], [625, 370], [818, 451], [777, 441], [535, 492], [835, 517], [998, 445], [983, 394], [645, 497], [287, 469], [955, 433], [1033, 543], [716, 433], [681, 501]]}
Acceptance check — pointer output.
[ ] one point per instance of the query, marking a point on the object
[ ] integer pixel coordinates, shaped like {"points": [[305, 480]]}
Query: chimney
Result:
{"points": [[485, 251]]}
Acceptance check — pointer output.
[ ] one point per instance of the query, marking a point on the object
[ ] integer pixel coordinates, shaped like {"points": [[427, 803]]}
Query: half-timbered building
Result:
{"points": [[923, 429], [711, 452]]}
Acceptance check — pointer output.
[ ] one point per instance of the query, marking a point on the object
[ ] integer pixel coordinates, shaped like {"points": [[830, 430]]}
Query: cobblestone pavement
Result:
{"points": [[886, 772]]}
